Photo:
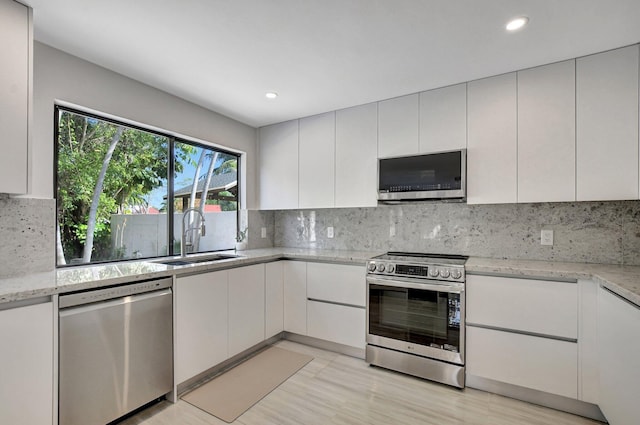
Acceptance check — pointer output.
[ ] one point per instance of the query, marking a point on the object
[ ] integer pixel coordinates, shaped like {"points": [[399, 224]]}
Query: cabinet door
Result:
{"points": [[607, 125], [546, 133], [26, 355], [542, 364], [274, 299], [15, 76], [337, 323], [398, 126], [529, 305], [246, 308], [338, 283], [443, 119], [278, 166], [295, 297], [201, 323], [317, 161], [492, 140], [588, 342], [618, 331], [357, 156]]}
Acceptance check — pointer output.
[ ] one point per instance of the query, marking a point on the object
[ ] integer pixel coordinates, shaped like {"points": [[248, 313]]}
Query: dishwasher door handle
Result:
{"points": [[70, 311]]}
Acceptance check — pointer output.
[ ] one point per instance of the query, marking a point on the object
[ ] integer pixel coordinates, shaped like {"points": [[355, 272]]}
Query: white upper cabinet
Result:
{"points": [[317, 147], [357, 156], [398, 126], [607, 125], [278, 166], [443, 119], [15, 91], [546, 133], [492, 140]]}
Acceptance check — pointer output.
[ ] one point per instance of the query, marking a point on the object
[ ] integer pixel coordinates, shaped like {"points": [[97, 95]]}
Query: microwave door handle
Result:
{"points": [[455, 289]]}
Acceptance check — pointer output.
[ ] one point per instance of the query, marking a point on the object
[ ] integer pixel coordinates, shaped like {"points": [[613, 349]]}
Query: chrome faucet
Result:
{"points": [[183, 239]]}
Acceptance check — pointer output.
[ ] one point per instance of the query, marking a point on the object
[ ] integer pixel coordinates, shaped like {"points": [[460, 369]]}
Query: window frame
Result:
{"points": [[172, 139]]}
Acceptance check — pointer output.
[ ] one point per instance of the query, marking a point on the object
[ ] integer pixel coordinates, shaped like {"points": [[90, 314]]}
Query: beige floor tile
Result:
{"points": [[342, 390]]}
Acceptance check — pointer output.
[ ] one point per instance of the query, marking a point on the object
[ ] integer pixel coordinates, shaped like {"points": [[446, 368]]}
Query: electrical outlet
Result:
{"points": [[330, 232], [263, 232], [546, 237]]}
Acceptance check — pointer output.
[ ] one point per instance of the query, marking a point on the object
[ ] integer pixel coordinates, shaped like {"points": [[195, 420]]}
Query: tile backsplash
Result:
{"points": [[592, 232], [27, 236]]}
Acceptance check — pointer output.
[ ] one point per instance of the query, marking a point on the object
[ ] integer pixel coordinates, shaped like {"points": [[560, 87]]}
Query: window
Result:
{"points": [[117, 198]]}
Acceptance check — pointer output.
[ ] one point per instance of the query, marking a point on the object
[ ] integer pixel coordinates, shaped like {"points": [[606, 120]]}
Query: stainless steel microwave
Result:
{"points": [[439, 175]]}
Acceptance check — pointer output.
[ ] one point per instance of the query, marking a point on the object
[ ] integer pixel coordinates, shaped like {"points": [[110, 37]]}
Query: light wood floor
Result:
{"points": [[337, 389]]}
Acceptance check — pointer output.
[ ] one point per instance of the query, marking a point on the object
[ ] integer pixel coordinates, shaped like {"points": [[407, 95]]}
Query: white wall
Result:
{"points": [[60, 77]]}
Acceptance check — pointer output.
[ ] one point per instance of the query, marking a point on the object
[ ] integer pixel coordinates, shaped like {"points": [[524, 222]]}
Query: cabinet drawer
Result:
{"points": [[337, 283], [542, 364], [537, 306], [336, 323]]}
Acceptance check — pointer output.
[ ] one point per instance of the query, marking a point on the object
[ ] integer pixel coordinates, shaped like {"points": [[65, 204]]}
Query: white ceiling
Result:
{"points": [[323, 55]]}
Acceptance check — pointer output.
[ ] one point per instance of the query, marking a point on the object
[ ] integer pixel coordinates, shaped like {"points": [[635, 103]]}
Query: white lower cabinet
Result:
{"points": [[336, 300], [336, 323], [201, 323], [26, 356], [524, 332], [295, 296], [325, 301], [246, 308], [274, 299], [530, 305], [619, 358], [339, 283], [542, 364]]}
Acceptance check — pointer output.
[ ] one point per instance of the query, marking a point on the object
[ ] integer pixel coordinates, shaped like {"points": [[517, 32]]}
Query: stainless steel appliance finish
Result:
{"points": [[116, 351], [415, 315], [439, 175]]}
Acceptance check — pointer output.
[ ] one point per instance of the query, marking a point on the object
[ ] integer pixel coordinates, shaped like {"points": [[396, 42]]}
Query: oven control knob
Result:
{"points": [[372, 267], [380, 267], [444, 273], [433, 272], [390, 268], [456, 274]]}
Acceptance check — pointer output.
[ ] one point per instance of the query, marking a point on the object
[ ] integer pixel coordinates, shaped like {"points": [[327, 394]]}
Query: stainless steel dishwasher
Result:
{"points": [[116, 351]]}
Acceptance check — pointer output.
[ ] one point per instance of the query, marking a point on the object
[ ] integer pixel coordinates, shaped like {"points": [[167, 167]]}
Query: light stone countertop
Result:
{"points": [[623, 280], [79, 278]]}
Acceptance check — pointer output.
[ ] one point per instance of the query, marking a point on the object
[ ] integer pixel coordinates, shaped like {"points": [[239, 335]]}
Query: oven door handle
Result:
{"points": [[397, 283]]}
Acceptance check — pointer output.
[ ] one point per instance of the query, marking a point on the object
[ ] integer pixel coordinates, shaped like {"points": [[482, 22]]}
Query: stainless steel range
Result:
{"points": [[415, 315]]}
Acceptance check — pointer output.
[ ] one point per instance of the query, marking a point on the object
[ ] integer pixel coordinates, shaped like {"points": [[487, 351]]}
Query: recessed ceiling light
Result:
{"points": [[271, 95], [517, 23]]}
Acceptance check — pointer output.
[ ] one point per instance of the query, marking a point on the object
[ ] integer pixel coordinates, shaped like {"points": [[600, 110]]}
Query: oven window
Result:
{"points": [[421, 317]]}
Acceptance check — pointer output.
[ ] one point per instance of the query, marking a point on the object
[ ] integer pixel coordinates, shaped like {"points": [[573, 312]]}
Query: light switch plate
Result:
{"points": [[263, 232], [546, 237], [330, 232]]}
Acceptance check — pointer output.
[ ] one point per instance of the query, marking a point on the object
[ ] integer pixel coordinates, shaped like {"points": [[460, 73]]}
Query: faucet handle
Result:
{"points": [[203, 232]]}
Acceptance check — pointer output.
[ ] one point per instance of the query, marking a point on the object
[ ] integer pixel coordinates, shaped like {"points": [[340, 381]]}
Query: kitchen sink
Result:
{"points": [[195, 260]]}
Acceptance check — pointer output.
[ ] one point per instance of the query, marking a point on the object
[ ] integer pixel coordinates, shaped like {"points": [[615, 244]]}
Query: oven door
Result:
{"points": [[425, 319]]}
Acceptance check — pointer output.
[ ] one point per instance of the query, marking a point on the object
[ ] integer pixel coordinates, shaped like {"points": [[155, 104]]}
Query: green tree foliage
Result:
{"points": [[138, 166]]}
